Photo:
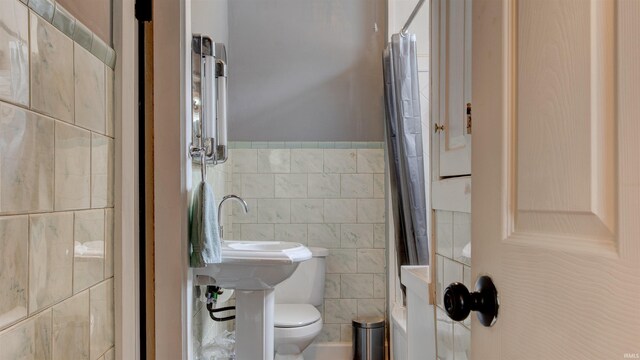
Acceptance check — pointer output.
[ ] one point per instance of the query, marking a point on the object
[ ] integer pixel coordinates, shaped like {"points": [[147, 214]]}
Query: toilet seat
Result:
{"points": [[295, 315]]}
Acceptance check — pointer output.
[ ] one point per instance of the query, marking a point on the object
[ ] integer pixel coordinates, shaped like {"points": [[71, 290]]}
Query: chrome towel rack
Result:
{"points": [[209, 96]]}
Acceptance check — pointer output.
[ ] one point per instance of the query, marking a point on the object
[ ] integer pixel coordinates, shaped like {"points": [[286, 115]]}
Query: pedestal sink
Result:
{"points": [[253, 269]]}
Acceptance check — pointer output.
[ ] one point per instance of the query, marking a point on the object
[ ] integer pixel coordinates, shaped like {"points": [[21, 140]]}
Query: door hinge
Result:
{"points": [[469, 118]]}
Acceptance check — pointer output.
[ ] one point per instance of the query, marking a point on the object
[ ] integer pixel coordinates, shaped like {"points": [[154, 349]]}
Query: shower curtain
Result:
{"points": [[404, 143]]}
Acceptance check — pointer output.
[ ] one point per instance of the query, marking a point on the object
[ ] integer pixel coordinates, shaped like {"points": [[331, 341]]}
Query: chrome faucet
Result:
{"points": [[235, 197]]}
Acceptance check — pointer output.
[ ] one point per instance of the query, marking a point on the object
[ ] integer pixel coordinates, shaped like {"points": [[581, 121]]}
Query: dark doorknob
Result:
{"points": [[459, 302]]}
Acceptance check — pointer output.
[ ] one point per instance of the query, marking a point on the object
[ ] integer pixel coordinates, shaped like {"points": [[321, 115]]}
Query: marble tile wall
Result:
{"points": [[56, 189], [14, 59], [322, 194], [453, 264]]}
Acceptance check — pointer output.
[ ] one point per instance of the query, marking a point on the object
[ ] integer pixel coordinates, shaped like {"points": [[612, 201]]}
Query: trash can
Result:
{"points": [[368, 338]]}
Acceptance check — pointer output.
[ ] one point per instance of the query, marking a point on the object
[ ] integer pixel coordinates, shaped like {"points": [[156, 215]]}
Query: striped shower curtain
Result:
{"points": [[404, 143]]}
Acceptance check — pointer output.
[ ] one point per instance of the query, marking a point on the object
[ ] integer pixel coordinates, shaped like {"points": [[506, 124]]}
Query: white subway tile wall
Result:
{"points": [[56, 193], [462, 237], [320, 194], [444, 233], [444, 336], [453, 264]]}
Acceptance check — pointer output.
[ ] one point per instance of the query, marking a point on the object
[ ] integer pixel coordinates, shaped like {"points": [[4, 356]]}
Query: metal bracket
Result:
{"points": [[469, 124]]}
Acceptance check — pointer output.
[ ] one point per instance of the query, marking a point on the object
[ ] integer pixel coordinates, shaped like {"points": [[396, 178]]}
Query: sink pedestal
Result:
{"points": [[253, 269], [254, 324]]}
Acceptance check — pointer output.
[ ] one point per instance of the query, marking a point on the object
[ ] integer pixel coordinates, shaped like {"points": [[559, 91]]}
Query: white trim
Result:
{"points": [[127, 319], [451, 194]]}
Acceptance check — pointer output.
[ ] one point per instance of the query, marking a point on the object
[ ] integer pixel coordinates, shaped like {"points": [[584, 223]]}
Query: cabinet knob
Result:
{"points": [[438, 128], [459, 302]]}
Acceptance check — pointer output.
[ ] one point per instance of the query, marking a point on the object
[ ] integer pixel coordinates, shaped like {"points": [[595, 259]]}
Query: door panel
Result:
{"points": [[455, 87], [564, 143], [556, 177]]}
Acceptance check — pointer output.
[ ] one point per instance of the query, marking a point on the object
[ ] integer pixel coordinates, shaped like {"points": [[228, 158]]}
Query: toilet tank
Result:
{"points": [[306, 284]]}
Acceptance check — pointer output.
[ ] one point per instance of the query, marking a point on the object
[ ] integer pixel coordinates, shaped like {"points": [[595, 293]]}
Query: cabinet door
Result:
{"points": [[452, 83]]}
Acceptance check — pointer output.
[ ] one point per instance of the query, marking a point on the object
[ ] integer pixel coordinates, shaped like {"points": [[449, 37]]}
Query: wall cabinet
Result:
{"points": [[451, 86], [451, 122]]}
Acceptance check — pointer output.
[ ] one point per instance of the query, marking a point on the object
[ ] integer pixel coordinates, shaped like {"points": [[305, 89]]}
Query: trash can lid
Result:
{"points": [[368, 322]]}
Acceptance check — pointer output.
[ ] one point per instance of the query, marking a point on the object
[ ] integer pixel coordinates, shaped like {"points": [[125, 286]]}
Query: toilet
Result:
{"points": [[297, 321]]}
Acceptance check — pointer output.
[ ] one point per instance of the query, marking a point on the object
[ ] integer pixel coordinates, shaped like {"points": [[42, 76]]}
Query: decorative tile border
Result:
{"points": [[62, 20], [306, 145]]}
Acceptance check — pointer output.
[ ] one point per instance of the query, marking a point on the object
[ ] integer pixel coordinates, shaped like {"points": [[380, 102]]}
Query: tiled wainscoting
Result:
{"points": [[205, 330], [320, 194], [56, 193], [453, 264]]}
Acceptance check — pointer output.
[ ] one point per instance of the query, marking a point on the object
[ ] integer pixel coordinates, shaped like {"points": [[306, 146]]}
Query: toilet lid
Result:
{"points": [[295, 315]]}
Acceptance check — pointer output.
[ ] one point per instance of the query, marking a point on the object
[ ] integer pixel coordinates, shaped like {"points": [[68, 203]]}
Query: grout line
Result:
{"points": [[91, 200], [30, 59], [51, 347], [73, 262], [53, 203], [343, 145], [89, 335], [28, 288], [88, 321], [73, 78]]}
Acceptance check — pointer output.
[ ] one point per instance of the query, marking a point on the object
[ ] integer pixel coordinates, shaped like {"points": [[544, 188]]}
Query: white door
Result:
{"points": [[556, 166], [452, 85]]}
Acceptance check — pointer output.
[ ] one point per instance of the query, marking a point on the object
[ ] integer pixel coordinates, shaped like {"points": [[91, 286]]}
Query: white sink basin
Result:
{"points": [[253, 265]]}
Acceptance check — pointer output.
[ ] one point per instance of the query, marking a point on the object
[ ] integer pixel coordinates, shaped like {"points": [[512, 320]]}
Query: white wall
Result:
{"points": [[210, 17], [306, 70]]}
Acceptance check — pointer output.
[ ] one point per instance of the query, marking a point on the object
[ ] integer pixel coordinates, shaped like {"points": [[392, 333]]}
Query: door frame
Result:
{"points": [[126, 291], [172, 178]]}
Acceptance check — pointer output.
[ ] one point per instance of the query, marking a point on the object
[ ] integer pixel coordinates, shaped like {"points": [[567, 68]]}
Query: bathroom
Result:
{"points": [[105, 114]]}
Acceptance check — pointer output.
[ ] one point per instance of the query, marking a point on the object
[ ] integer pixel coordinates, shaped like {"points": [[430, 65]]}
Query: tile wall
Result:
{"points": [[325, 194], [56, 191], [453, 264], [205, 330]]}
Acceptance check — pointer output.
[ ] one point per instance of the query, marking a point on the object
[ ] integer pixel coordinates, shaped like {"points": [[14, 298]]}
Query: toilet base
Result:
{"points": [[290, 343]]}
